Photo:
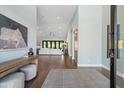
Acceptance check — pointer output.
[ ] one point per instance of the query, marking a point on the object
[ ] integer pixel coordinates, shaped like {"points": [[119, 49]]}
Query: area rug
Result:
{"points": [[75, 78]]}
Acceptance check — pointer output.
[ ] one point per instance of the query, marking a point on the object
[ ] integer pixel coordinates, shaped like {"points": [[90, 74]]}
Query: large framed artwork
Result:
{"points": [[13, 35]]}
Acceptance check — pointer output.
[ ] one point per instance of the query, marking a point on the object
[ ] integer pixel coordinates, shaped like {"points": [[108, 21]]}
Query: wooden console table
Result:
{"points": [[13, 65]]}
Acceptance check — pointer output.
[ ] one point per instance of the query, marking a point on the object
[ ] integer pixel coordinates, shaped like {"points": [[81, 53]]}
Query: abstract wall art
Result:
{"points": [[13, 35]]}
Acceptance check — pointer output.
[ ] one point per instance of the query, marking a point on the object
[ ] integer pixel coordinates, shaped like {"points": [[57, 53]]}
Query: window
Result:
{"points": [[48, 43], [44, 44], [53, 44], [61, 45], [57, 44]]}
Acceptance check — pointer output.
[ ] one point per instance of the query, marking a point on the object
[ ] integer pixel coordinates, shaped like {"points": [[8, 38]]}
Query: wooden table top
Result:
{"points": [[11, 66]]}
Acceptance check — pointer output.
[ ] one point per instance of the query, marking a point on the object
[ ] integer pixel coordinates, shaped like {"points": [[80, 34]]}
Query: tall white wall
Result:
{"points": [[90, 35], [25, 15], [105, 22]]}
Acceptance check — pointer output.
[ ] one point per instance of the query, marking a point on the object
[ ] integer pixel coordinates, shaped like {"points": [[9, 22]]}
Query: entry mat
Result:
{"points": [[75, 78]]}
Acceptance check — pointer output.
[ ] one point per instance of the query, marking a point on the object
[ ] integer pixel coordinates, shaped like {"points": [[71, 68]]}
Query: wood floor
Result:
{"points": [[45, 64]]}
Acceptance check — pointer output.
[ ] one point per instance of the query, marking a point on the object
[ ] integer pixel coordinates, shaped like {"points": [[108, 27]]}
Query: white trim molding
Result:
{"points": [[100, 65], [89, 65]]}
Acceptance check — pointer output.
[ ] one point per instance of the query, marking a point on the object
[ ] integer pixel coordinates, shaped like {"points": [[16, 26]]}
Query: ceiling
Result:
{"points": [[53, 21]]}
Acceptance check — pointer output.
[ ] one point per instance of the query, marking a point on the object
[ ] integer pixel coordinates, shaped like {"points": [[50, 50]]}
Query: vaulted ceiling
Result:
{"points": [[53, 21]]}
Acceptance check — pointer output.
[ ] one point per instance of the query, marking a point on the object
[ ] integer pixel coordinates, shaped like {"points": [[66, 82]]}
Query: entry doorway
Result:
{"points": [[76, 45]]}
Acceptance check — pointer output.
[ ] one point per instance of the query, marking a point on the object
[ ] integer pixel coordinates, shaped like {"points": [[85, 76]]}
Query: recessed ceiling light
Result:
{"points": [[58, 17], [60, 27], [40, 32]]}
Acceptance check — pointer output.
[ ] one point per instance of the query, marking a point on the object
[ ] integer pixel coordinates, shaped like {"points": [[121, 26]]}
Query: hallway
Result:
{"points": [[49, 31]]}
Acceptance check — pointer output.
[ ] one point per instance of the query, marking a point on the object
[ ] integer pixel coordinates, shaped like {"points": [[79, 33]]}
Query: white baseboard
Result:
{"points": [[99, 65], [118, 73], [89, 65]]}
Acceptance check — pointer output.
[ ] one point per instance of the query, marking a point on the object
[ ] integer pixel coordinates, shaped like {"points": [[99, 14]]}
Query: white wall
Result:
{"points": [[25, 15], [105, 22], [89, 35]]}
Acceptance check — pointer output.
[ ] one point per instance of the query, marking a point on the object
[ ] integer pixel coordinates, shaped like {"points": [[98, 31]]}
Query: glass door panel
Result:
{"points": [[120, 48]]}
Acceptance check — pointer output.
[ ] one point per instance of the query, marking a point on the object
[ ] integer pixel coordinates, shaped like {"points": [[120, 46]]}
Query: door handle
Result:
{"points": [[108, 39], [118, 33]]}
